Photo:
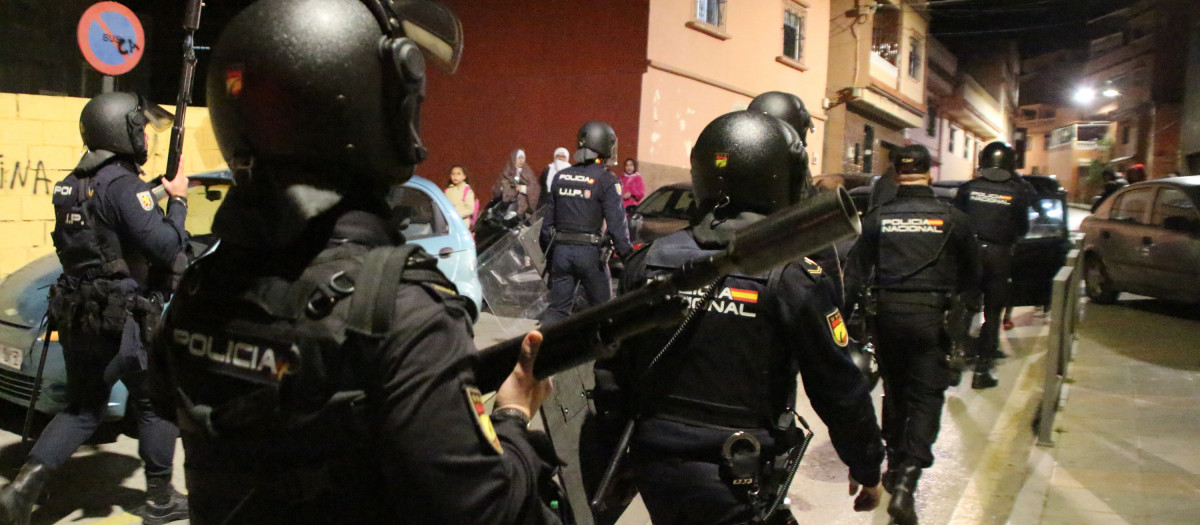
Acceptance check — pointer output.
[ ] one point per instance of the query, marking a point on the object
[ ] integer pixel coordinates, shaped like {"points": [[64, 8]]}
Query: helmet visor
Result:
{"points": [[435, 29], [157, 117]]}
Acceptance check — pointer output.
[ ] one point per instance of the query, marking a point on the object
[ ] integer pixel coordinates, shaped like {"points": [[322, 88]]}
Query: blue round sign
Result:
{"points": [[111, 38]]}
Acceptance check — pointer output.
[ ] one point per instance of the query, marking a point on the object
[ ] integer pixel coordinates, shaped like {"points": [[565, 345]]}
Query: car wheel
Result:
{"points": [[1099, 289]]}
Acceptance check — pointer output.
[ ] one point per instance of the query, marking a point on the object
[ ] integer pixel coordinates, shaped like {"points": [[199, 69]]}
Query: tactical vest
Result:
{"points": [[576, 193], [270, 374], [87, 247], [991, 206], [729, 369], [913, 234]]}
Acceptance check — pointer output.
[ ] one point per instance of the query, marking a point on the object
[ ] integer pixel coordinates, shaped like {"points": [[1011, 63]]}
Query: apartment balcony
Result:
{"points": [[976, 110]]}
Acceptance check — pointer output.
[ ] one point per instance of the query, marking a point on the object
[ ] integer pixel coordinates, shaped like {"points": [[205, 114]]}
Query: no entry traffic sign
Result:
{"points": [[111, 38]]}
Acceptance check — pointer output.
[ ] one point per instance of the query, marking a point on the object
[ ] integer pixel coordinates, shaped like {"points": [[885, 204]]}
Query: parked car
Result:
{"points": [[23, 293], [1145, 239], [666, 210]]}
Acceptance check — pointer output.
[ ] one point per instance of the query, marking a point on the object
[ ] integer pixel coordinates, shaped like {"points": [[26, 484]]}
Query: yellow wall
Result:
{"points": [[694, 77], [40, 145]]}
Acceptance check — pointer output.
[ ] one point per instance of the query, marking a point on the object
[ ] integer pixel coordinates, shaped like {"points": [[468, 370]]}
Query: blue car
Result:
{"points": [[432, 223]]}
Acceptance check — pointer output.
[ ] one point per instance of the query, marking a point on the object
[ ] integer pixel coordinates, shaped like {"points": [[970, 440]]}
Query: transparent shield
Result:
{"points": [[510, 271]]}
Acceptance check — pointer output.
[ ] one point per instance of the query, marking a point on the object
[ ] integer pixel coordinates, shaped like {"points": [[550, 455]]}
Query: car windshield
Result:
{"points": [[1046, 219], [668, 203]]}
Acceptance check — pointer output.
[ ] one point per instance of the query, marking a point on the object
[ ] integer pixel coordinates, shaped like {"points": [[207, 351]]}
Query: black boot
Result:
{"points": [[984, 379], [901, 508], [17, 498], [163, 503]]}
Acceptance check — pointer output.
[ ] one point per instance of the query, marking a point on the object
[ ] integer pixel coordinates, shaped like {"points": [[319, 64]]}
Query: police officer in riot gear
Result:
{"points": [[317, 366], [714, 398], [914, 253], [998, 204], [118, 251], [585, 198]]}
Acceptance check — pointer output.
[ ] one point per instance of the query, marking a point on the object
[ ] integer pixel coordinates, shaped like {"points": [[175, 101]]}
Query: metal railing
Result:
{"points": [[1064, 317]]}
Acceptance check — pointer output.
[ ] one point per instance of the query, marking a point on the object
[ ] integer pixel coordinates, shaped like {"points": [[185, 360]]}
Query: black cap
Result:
{"points": [[913, 158]]}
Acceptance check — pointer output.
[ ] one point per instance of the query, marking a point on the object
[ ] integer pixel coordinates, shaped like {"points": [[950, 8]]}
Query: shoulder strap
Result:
{"points": [[379, 278]]}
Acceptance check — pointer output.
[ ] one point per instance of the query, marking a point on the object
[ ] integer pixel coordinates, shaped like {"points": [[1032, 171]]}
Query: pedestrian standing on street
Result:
{"points": [[997, 201], [914, 253], [120, 254], [632, 184], [586, 196], [714, 399], [459, 191], [316, 362], [517, 187], [1113, 181], [561, 162]]}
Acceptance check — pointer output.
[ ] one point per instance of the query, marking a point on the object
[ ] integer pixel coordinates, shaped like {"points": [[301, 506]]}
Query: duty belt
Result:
{"points": [[578, 238]]}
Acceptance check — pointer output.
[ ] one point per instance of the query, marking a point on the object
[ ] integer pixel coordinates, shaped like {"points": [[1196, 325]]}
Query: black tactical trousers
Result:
{"points": [[689, 491], [571, 265], [912, 358], [95, 362], [997, 274]]}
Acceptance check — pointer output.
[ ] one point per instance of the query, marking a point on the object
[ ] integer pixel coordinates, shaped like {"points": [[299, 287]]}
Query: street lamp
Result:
{"points": [[1110, 92], [1085, 95]]}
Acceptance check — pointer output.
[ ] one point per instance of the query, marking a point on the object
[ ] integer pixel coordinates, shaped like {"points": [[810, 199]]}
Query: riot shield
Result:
{"points": [[510, 272]]}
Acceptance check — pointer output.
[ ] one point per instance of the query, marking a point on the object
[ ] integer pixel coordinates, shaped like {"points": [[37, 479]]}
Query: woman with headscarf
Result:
{"points": [[518, 184], [561, 162]]}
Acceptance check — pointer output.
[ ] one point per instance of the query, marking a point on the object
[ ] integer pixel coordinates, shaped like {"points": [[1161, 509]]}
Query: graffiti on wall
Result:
{"points": [[25, 175]]}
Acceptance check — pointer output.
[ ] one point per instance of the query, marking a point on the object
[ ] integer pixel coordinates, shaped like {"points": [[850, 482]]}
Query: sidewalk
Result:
{"points": [[1125, 449]]}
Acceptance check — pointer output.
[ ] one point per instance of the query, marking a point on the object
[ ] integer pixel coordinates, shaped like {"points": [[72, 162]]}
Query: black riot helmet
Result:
{"points": [[328, 83], [787, 107], [116, 123], [744, 161], [596, 139], [998, 155]]}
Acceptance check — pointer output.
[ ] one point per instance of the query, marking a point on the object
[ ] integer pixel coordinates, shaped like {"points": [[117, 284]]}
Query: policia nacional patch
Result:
{"points": [[837, 328], [482, 420]]}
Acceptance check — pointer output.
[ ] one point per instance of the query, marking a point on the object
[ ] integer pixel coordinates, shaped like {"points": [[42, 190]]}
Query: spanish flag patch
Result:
{"points": [[482, 420], [837, 328], [745, 296]]}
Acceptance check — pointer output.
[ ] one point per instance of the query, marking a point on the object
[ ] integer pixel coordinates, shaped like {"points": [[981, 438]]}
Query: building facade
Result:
{"points": [[658, 71]]}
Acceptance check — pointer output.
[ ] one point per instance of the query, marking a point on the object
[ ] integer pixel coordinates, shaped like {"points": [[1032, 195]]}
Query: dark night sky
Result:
{"points": [[1039, 26]]}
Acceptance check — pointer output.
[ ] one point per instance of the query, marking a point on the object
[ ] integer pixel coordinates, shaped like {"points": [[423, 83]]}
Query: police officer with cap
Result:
{"points": [[118, 250], [998, 203], [317, 365], [914, 253], [585, 197], [714, 397]]}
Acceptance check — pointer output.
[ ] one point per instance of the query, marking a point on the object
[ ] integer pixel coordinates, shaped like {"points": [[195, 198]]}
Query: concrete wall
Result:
{"points": [[694, 76], [40, 145], [1190, 134]]}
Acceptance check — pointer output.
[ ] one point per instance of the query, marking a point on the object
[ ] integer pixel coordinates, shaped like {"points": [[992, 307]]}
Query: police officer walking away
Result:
{"points": [[714, 398], [319, 368], [914, 252], [585, 197], [118, 251], [998, 204]]}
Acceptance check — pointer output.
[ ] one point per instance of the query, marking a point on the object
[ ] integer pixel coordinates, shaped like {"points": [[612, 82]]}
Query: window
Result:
{"points": [[711, 12], [885, 35], [1124, 134], [793, 31], [931, 120], [1132, 206], [1048, 113], [1172, 203], [1045, 218], [953, 139], [914, 57], [966, 146], [1046, 141], [1029, 114], [424, 217]]}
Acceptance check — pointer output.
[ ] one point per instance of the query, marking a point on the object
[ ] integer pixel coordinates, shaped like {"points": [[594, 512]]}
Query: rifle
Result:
{"points": [[784, 236], [191, 22]]}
